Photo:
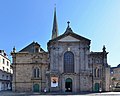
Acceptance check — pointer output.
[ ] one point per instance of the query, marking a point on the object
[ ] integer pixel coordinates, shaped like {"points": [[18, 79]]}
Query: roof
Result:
{"points": [[94, 53], [30, 47], [118, 66], [97, 53], [69, 32]]}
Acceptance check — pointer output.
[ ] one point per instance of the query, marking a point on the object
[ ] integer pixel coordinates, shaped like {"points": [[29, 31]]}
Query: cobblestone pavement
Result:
{"points": [[9, 93]]}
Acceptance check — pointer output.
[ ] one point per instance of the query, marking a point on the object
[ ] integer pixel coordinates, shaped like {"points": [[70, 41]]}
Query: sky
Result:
{"points": [[25, 21]]}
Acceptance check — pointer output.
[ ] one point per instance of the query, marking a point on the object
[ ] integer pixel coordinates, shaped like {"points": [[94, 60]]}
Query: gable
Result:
{"points": [[69, 39], [69, 36], [31, 48]]}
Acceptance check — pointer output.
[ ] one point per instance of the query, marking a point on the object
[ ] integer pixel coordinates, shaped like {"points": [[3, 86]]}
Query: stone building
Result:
{"points": [[100, 70], [5, 72], [68, 66], [115, 78], [29, 67]]}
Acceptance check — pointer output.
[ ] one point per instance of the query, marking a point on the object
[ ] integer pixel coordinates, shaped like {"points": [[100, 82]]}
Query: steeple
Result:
{"points": [[55, 26]]}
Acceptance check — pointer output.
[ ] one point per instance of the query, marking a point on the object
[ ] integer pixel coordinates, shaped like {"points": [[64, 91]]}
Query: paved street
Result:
{"points": [[8, 93]]}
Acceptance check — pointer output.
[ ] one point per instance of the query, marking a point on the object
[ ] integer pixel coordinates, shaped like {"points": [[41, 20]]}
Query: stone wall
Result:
{"points": [[23, 67]]}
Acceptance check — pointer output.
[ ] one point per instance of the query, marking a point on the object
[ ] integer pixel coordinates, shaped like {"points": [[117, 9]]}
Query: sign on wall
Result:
{"points": [[54, 81]]}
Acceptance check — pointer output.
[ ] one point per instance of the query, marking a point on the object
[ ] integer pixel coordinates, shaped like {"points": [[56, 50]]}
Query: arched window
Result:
{"points": [[36, 72], [69, 62], [98, 73]]}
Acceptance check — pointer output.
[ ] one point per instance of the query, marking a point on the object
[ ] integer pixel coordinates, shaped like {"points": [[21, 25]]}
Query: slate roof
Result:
{"points": [[95, 53], [118, 66], [30, 48]]}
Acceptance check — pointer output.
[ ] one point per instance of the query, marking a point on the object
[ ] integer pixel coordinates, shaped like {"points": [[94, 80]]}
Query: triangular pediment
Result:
{"points": [[69, 39], [69, 36]]}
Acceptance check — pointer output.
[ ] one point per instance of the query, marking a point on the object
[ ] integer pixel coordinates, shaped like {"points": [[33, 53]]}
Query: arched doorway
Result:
{"points": [[36, 87], [97, 87], [68, 85]]}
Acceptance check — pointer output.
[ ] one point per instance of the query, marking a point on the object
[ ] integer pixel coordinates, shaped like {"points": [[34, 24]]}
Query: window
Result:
{"points": [[3, 68], [36, 73], [7, 63], [36, 50], [7, 85], [3, 61], [2, 76], [7, 70], [68, 62], [98, 73], [95, 72], [88, 63], [6, 77]]}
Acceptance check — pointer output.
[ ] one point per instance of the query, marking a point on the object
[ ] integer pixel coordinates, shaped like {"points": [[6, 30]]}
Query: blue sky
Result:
{"points": [[25, 21]]}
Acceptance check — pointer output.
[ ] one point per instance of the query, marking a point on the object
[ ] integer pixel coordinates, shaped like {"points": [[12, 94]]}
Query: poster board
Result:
{"points": [[54, 81]]}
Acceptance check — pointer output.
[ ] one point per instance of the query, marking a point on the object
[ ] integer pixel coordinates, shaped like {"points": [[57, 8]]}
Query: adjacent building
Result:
{"points": [[67, 66], [115, 78], [29, 68], [5, 72], [100, 70]]}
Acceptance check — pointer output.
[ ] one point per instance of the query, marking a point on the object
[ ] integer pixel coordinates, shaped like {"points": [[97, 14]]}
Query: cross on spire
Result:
{"points": [[68, 29], [68, 23]]}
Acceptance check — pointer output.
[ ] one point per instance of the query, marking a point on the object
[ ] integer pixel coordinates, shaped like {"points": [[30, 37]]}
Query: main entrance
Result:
{"points": [[68, 85], [36, 88]]}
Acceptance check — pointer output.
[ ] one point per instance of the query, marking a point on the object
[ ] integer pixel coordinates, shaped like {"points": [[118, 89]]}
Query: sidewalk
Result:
{"points": [[10, 93]]}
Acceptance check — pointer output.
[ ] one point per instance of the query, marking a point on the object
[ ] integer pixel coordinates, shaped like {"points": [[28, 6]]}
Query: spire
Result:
{"points": [[55, 27]]}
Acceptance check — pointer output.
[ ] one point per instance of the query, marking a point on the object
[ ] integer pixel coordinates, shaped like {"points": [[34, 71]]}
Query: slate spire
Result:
{"points": [[55, 26]]}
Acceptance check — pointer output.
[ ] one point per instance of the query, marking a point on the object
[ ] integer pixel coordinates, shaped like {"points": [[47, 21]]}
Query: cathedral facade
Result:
{"points": [[68, 66]]}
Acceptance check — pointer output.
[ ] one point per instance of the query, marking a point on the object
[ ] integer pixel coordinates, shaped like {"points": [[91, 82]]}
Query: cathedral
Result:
{"points": [[67, 66]]}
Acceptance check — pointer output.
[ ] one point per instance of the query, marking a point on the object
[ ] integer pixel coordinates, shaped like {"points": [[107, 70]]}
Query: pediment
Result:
{"points": [[69, 39]]}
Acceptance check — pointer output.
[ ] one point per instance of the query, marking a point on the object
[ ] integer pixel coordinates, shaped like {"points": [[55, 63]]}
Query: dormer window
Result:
{"points": [[36, 50]]}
